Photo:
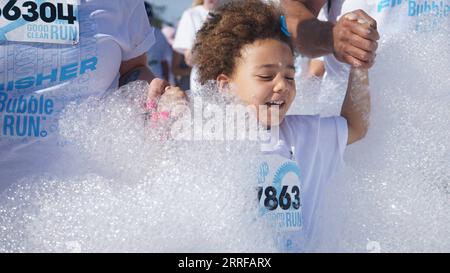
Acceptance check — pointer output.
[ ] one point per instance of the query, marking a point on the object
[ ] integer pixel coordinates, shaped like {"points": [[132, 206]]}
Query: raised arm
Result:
{"points": [[356, 107]]}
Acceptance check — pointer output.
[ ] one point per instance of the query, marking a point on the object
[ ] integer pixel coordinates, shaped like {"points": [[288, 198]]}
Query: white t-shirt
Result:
{"points": [[191, 22], [291, 194], [38, 80], [159, 52]]}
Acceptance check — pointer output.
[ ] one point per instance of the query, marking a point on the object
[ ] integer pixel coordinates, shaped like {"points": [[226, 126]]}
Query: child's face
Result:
{"points": [[265, 76]]}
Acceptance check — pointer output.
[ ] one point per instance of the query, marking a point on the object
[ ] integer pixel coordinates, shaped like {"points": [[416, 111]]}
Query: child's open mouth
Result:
{"points": [[278, 103]]}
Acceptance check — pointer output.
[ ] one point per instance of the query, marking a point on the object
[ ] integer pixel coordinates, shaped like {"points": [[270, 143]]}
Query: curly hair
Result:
{"points": [[227, 30]]}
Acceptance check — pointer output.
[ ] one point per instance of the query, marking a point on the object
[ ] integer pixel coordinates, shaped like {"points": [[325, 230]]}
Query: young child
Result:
{"points": [[246, 48]]}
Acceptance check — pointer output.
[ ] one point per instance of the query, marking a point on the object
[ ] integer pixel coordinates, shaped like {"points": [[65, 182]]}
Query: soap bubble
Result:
{"points": [[125, 189]]}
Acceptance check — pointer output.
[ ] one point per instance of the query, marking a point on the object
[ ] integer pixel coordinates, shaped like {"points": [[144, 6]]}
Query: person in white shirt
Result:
{"points": [[191, 22], [258, 68], [95, 46]]}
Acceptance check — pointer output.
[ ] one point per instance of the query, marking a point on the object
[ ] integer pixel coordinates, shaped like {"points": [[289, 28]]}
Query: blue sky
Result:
{"points": [[174, 8]]}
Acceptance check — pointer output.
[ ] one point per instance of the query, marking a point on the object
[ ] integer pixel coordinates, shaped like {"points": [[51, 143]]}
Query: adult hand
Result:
{"points": [[355, 39]]}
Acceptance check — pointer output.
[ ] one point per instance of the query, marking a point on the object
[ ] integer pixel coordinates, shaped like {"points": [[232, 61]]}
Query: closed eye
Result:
{"points": [[289, 78], [266, 77]]}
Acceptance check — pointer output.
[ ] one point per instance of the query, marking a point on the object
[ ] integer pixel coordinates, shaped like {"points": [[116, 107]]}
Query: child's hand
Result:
{"points": [[165, 111], [172, 97], [156, 89]]}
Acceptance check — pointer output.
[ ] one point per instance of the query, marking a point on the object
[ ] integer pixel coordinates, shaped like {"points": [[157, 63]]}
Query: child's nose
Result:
{"points": [[281, 85]]}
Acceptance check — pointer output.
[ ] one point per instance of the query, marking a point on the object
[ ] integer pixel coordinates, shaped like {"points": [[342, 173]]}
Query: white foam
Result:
{"points": [[394, 195], [129, 191], [125, 190]]}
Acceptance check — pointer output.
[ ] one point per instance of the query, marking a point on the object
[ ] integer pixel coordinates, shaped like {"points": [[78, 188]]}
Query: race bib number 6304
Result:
{"points": [[39, 21]]}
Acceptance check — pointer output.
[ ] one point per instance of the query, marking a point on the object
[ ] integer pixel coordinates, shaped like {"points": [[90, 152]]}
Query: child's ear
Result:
{"points": [[223, 82]]}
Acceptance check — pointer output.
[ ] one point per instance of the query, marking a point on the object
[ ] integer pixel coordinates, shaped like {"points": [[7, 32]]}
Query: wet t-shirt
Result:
{"points": [[41, 73]]}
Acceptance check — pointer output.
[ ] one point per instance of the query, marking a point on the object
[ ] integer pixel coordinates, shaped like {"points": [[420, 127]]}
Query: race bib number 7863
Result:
{"points": [[39, 21]]}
